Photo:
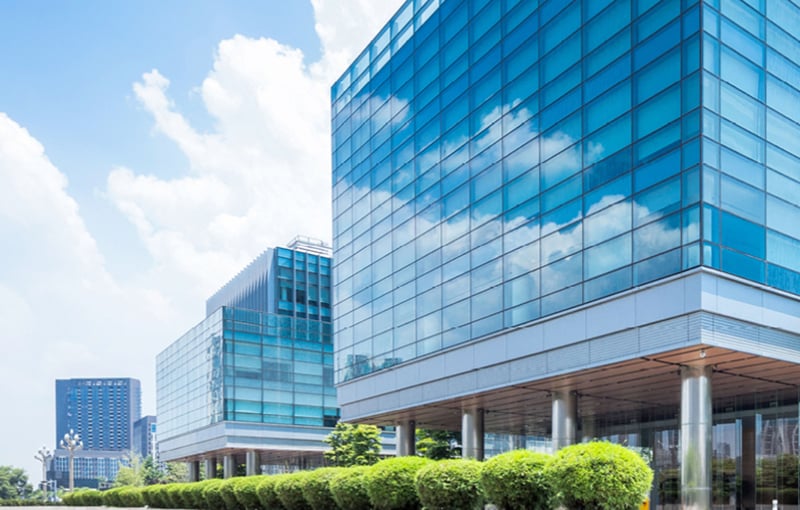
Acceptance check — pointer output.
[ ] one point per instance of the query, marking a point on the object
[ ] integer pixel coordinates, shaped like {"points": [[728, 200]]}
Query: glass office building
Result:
{"points": [[545, 210], [253, 383]]}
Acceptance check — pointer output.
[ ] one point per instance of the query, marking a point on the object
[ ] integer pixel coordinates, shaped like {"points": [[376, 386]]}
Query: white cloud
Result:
{"points": [[262, 175]]}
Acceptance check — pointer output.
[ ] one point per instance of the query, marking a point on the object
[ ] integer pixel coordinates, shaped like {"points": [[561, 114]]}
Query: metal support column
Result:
{"points": [[193, 467], [210, 467], [251, 462], [472, 434], [695, 439], [406, 437], [748, 463], [228, 466], [565, 419]]}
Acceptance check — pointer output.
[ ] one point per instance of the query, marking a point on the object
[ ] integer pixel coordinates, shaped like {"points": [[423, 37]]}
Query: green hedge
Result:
{"points": [[450, 485], [599, 476], [390, 483], [246, 493], [591, 476], [349, 489], [83, 497], [516, 480], [267, 494], [290, 491], [226, 490], [212, 497], [317, 490]]}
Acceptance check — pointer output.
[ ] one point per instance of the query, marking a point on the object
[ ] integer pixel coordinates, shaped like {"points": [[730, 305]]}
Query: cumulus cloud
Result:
{"points": [[262, 174], [62, 314]]}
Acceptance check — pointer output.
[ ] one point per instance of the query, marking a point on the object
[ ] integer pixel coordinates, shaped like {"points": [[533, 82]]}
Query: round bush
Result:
{"points": [[290, 491], [349, 489], [111, 497], [599, 476], [130, 497], [450, 485], [317, 491], [195, 493], [267, 494], [186, 494], [148, 495], [212, 496], [228, 496], [173, 495], [390, 483], [84, 497], [245, 492], [516, 480]]}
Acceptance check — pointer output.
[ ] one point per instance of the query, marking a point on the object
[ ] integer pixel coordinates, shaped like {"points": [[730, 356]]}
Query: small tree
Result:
{"points": [[353, 445], [438, 444], [129, 473], [151, 473]]}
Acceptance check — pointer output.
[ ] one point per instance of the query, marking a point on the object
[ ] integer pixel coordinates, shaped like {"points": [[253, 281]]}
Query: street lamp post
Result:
{"points": [[71, 443], [43, 455]]}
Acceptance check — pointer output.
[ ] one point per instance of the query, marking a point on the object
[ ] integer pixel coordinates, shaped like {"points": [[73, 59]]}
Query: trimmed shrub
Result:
{"points": [[111, 497], [290, 491], [195, 494], [130, 497], [349, 489], [599, 476], [84, 497], [149, 496], [185, 493], [212, 496], [516, 480], [267, 494], [173, 496], [245, 492], [317, 491], [228, 496], [450, 485], [390, 483]]}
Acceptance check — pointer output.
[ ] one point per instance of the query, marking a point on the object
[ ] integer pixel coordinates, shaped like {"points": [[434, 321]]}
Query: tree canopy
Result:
{"points": [[12, 482], [353, 445], [438, 444]]}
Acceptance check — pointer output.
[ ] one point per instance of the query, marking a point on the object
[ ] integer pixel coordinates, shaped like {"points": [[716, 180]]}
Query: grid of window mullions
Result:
{"points": [[348, 243]]}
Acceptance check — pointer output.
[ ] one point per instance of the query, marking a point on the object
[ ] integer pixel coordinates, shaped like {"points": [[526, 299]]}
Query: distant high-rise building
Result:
{"points": [[102, 411], [144, 437]]}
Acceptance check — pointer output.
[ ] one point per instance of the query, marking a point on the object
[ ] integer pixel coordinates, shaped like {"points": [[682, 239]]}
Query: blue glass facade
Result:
{"points": [[270, 365], [498, 161]]}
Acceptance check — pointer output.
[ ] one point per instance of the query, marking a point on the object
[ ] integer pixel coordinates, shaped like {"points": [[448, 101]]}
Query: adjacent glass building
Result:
{"points": [[103, 412], [253, 383], [544, 211]]}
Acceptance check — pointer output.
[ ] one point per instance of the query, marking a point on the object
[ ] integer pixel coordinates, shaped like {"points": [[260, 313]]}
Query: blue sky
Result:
{"points": [[148, 150], [73, 64]]}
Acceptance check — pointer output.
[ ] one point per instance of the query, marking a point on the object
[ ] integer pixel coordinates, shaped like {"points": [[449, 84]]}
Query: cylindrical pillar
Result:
{"points": [[210, 467], [748, 462], [228, 466], [518, 441], [565, 419], [193, 468], [472, 434], [695, 439], [406, 437], [251, 463]]}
